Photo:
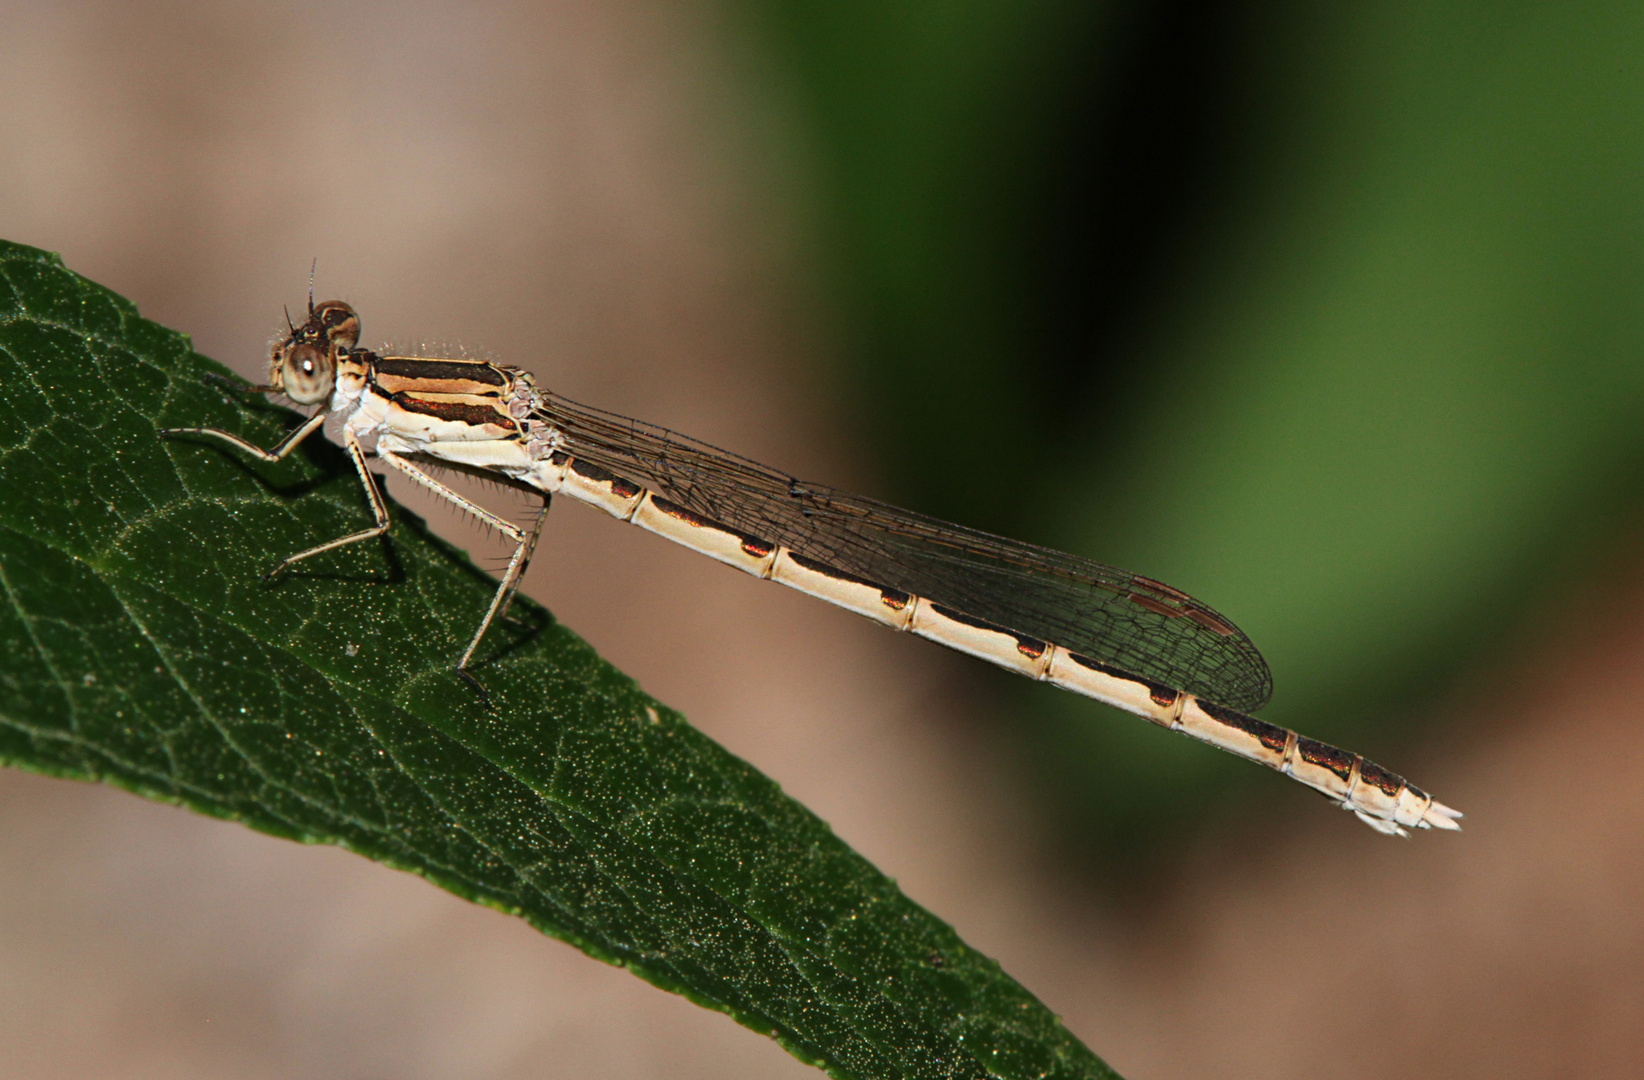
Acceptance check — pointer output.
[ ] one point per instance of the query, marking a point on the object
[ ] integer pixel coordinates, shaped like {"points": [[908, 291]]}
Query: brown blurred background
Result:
{"points": [[1330, 318]]}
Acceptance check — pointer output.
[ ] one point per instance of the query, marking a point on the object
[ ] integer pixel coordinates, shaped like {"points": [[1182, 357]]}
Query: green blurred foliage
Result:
{"points": [[1328, 314]]}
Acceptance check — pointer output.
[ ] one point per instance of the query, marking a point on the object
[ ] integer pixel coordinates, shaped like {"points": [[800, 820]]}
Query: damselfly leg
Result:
{"points": [[379, 509], [525, 542], [278, 453]]}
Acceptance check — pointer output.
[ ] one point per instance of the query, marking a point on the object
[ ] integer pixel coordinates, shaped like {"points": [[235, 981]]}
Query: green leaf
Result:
{"points": [[139, 648]]}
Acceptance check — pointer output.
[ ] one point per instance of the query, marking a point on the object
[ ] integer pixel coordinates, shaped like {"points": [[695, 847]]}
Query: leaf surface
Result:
{"points": [[138, 647]]}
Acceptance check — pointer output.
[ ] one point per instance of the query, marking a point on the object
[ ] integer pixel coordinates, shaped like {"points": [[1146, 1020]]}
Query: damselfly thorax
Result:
{"points": [[1120, 638]]}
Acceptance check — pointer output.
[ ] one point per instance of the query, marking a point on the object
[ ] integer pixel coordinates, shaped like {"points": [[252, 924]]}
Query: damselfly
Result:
{"points": [[1117, 637]]}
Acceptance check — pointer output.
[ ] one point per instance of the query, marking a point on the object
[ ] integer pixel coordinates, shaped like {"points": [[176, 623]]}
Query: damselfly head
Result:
{"points": [[304, 365]]}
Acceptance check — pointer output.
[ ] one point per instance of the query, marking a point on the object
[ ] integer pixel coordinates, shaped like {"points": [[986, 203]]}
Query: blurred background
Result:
{"points": [[1328, 314]]}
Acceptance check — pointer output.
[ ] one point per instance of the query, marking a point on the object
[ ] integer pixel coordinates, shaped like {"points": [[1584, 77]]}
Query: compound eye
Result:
{"points": [[307, 375]]}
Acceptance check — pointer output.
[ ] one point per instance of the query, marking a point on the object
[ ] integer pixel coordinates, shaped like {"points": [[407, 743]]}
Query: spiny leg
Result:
{"points": [[508, 528], [379, 509], [284, 447], [280, 449], [525, 544], [504, 596], [516, 570]]}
